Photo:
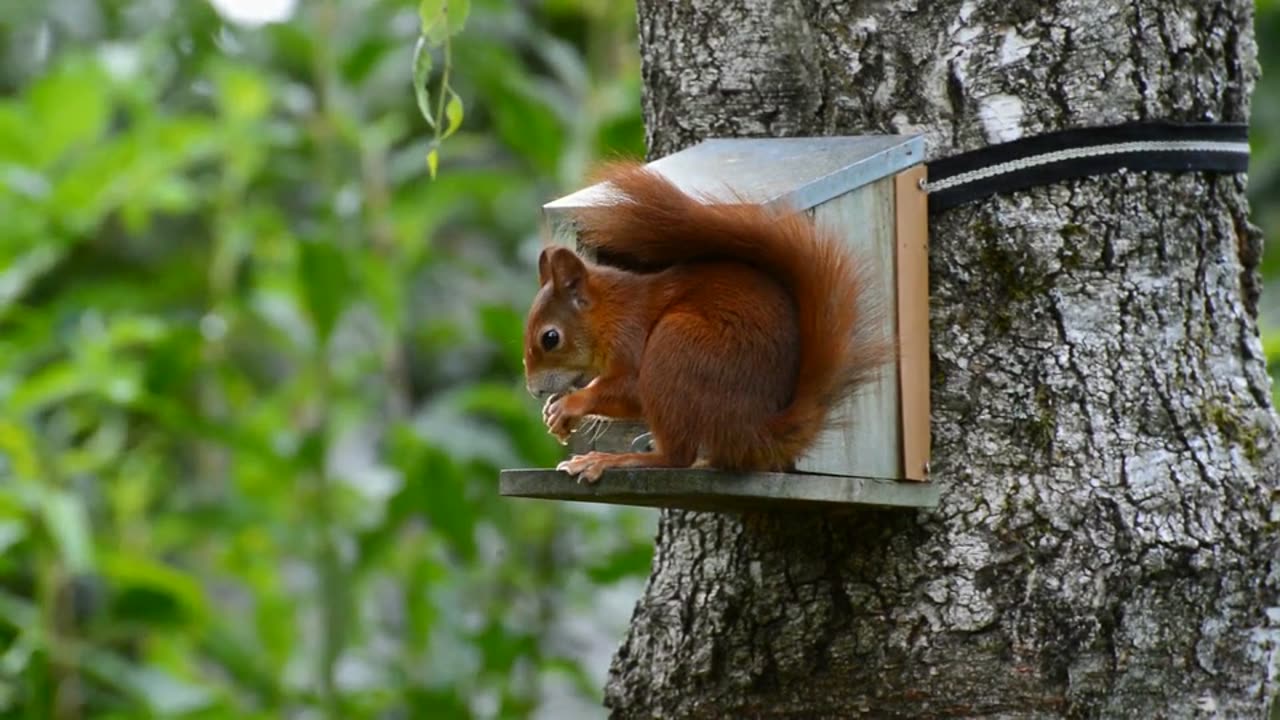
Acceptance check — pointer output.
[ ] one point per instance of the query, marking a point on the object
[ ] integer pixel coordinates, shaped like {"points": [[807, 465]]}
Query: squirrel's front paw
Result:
{"points": [[559, 418]]}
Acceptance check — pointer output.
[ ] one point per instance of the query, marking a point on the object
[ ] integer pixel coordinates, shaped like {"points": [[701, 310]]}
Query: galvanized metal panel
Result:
{"points": [[800, 173], [720, 491], [865, 438], [613, 436]]}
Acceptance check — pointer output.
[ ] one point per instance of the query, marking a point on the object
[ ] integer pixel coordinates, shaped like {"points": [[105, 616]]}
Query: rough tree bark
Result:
{"points": [[1105, 545]]}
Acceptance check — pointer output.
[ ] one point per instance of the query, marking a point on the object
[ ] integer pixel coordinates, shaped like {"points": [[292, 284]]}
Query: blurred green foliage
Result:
{"points": [[258, 371], [1264, 176]]}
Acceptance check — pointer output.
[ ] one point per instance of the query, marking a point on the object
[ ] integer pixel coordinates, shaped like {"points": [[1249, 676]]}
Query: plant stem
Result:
{"points": [[332, 598], [55, 606]]}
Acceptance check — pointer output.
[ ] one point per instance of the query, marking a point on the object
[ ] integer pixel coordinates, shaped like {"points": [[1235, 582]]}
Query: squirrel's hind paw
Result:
{"points": [[588, 468]]}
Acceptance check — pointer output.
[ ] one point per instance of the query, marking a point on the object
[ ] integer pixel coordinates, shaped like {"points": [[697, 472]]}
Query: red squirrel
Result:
{"points": [[745, 328]]}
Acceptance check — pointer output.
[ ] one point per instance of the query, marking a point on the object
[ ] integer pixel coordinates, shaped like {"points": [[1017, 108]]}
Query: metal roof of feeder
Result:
{"points": [[799, 172]]}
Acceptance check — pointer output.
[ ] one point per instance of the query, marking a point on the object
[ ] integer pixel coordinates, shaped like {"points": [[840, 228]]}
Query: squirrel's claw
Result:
{"points": [[587, 468], [546, 407]]}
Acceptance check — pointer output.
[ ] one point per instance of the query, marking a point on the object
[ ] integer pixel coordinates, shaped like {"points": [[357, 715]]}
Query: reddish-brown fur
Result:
{"points": [[749, 327]]}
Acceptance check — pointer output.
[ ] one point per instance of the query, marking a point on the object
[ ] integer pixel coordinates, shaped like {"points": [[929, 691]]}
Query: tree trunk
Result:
{"points": [[1105, 545]]}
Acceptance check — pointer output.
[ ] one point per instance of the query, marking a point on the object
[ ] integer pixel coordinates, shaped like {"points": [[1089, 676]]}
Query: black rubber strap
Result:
{"points": [[1082, 152]]}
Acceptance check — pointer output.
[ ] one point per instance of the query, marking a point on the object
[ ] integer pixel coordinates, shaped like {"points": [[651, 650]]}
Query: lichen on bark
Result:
{"points": [[1106, 543]]}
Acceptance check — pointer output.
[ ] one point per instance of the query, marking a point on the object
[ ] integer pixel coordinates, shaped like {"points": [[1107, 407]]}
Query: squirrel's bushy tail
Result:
{"points": [[650, 221]]}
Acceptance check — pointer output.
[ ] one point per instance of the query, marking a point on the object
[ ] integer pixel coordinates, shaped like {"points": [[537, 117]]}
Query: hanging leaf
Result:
{"points": [[421, 74], [433, 161], [456, 12], [430, 14], [453, 113], [436, 20]]}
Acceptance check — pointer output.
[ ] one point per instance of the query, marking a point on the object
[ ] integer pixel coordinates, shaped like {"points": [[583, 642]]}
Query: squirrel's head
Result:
{"points": [[559, 352]]}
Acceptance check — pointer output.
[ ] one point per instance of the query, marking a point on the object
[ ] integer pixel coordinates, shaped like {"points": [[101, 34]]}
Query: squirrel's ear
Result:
{"points": [[544, 265], [564, 268]]}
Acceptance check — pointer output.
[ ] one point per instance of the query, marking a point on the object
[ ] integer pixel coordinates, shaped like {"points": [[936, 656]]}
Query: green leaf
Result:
{"points": [[16, 134], [453, 113], [631, 561], [433, 161], [18, 612], [18, 451], [365, 57], [439, 703], [445, 505], [167, 695], [1271, 346], [577, 675], [431, 13], [154, 688], [442, 18], [242, 93], [139, 330], [421, 76], [326, 283], [456, 12], [503, 648], [71, 107], [149, 591], [528, 123], [513, 410], [11, 533], [67, 522], [157, 690], [504, 325], [95, 184], [51, 384], [229, 645], [433, 486]]}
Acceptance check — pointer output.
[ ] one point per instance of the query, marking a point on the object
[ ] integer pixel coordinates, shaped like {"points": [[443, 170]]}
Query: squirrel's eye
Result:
{"points": [[550, 339]]}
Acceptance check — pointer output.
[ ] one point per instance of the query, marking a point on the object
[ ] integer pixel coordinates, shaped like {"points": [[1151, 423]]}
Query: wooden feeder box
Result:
{"points": [[868, 190]]}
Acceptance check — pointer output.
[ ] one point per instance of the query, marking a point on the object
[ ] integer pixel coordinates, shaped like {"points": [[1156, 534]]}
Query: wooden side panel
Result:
{"points": [[865, 439], [913, 320]]}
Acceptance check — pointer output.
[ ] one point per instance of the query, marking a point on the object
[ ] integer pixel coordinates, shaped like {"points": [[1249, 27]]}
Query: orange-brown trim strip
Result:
{"points": [[912, 209]]}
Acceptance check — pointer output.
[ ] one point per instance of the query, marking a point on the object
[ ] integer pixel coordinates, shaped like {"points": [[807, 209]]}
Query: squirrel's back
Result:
{"points": [[649, 222]]}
